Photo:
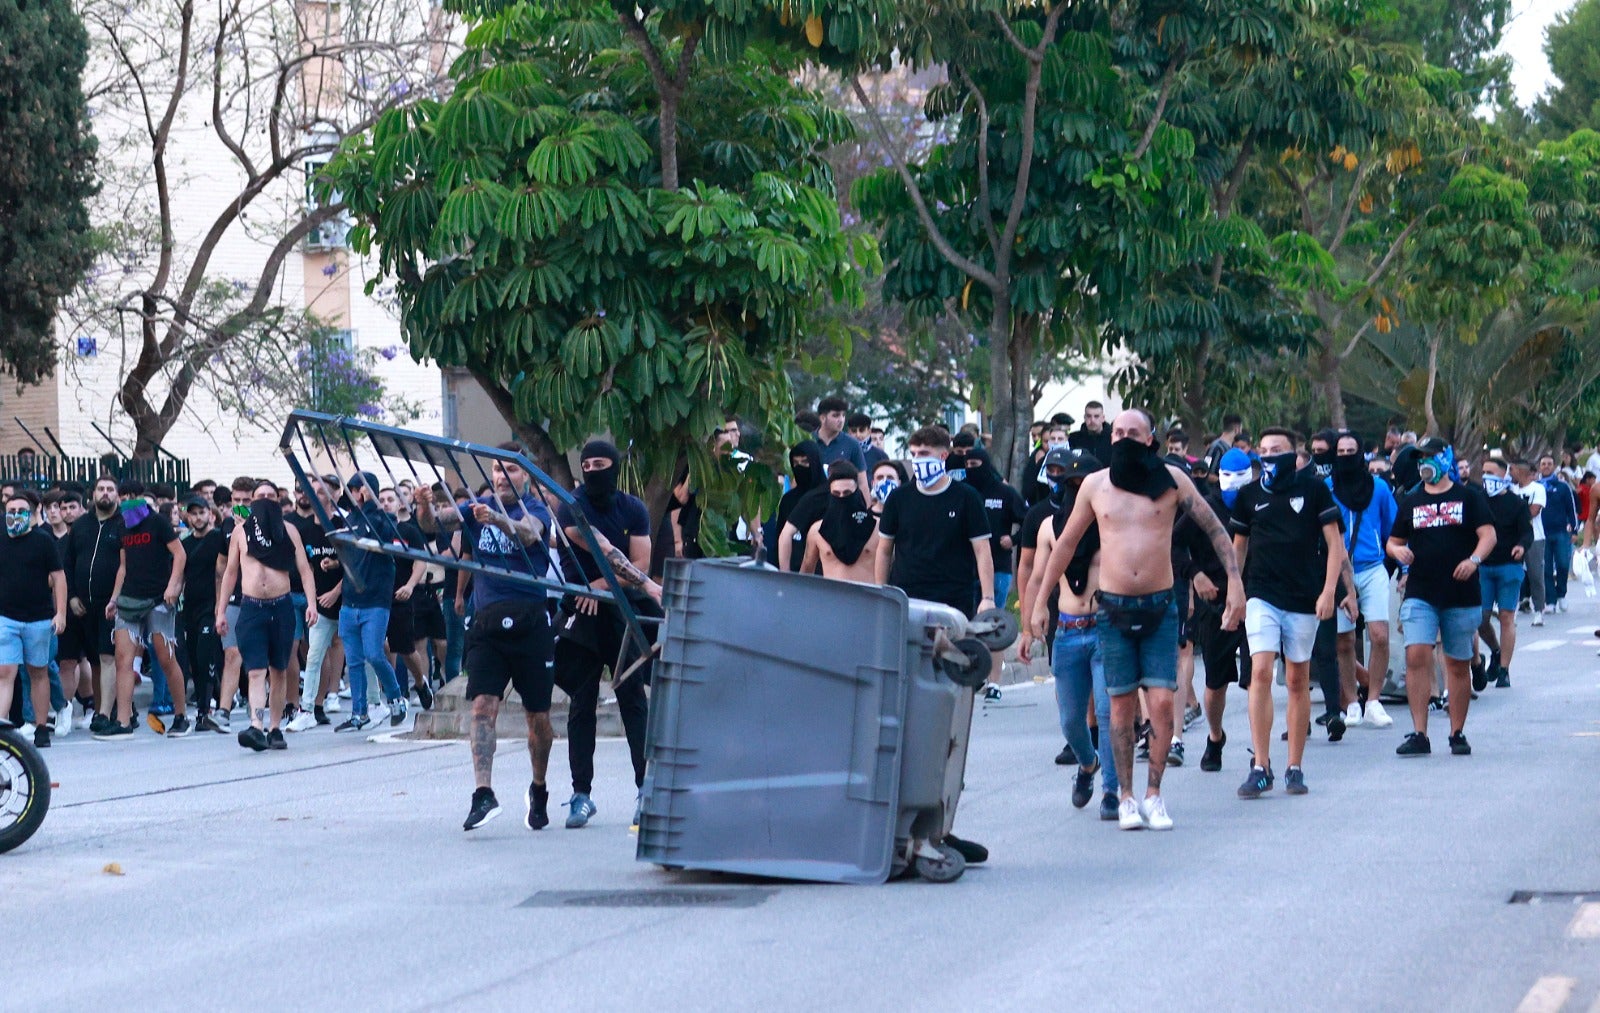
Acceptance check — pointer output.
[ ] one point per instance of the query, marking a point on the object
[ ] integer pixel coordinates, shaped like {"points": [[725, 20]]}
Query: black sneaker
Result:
{"points": [[538, 801], [1322, 720], [1066, 757], [1211, 759], [1083, 786], [425, 697], [275, 739], [180, 727], [114, 732], [1459, 745], [41, 736], [397, 712], [1294, 781], [485, 807], [205, 723], [321, 715], [1335, 727], [1416, 744], [1255, 784], [1502, 678], [1480, 676], [253, 738], [98, 724], [1175, 754], [353, 723], [1109, 804], [974, 853]]}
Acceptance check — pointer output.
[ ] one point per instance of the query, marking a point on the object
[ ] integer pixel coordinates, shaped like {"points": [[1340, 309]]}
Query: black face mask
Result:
{"points": [[601, 486], [1136, 467], [1352, 483], [847, 526], [1277, 471], [1322, 463]]}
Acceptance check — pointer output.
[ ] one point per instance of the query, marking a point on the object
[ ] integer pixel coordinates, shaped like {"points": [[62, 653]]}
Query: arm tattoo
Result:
{"points": [[481, 733], [1204, 518], [446, 517], [627, 573]]}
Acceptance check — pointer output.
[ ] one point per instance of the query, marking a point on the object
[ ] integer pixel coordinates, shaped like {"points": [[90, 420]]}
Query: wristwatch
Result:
{"points": [[1475, 560]]}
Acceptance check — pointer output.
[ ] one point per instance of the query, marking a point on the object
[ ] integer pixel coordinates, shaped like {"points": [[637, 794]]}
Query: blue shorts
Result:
{"points": [[1147, 657], [1501, 584], [1426, 625], [31, 644]]}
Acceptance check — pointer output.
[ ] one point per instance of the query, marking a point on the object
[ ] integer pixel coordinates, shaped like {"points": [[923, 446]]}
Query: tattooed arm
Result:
{"points": [[431, 518], [627, 573], [1206, 519]]}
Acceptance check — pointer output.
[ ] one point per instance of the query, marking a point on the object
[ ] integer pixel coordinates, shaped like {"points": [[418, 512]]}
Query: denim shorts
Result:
{"points": [[30, 644], [160, 620], [1272, 630], [1501, 585], [266, 633], [1148, 658], [1425, 625], [1372, 591]]}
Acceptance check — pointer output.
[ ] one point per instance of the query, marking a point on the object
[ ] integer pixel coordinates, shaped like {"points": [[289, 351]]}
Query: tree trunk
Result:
{"points": [[1432, 417], [545, 453], [1020, 414], [1001, 419], [1332, 389], [668, 125], [1194, 393]]}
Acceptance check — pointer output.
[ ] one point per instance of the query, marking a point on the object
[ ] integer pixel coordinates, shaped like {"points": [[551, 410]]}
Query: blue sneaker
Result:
{"points": [[1259, 781], [579, 810]]}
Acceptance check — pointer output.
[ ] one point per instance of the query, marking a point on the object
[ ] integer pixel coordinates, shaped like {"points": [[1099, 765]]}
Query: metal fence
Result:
{"points": [[40, 472]]}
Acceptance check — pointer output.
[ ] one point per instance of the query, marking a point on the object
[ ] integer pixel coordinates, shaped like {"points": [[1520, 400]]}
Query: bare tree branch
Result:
{"points": [[984, 193], [1161, 105]]}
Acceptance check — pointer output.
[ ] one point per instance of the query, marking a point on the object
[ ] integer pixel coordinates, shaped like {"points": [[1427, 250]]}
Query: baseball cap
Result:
{"points": [[361, 478], [1082, 464], [190, 502]]}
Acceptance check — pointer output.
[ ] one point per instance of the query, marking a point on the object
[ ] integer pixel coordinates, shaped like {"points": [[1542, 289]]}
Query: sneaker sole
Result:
{"points": [[1129, 826], [492, 814]]}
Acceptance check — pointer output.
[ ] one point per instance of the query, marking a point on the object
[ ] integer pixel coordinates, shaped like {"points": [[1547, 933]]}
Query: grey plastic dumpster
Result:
{"points": [[802, 728]]}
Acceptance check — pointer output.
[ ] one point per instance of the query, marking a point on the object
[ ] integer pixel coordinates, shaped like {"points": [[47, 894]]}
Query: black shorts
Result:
{"points": [[265, 632], [1221, 651], [428, 618], [509, 643], [86, 636], [1185, 615], [401, 634]]}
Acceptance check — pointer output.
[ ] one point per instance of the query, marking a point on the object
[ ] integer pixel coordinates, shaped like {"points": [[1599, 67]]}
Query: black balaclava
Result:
{"points": [[601, 486], [1353, 484], [847, 526], [265, 537], [814, 473], [980, 472], [1137, 467], [1322, 462]]}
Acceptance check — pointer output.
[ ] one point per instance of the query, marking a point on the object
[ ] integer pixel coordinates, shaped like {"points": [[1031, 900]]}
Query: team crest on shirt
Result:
{"points": [[1297, 502]]}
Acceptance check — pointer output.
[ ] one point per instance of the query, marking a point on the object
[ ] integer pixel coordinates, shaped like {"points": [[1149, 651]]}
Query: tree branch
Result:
{"points": [[1030, 116], [968, 267], [1355, 340], [1350, 203], [1394, 251], [985, 204], [1161, 105]]}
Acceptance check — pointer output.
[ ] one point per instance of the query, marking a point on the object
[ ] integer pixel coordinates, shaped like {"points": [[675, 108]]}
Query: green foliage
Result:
{"points": [[524, 222], [46, 176], [1572, 45]]}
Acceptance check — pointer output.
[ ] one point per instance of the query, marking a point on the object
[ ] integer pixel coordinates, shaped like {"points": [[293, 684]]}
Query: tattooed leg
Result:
{"points": [[258, 699], [1124, 715], [1161, 720], [480, 733]]}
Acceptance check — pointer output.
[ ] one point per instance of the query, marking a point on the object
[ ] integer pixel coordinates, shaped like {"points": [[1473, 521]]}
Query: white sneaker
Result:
{"points": [[1549, 610], [1352, 716], [1538, 619], [27, 729], [1561, 604], [1376, 716], [1154, 811], [302, 721], [378, 713], [1128, 817], [332, 706], [344, 694], [64, 721], [85, 721]]}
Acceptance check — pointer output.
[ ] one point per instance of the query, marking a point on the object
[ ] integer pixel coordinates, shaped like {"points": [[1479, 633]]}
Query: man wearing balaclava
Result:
{"points": [[1442, 534], [33, 603], [1502, 571], [1369, 509], [1225, 652], [589, 635], [1286, 527], [1005, 510], [1134, 502], [803, 505]]}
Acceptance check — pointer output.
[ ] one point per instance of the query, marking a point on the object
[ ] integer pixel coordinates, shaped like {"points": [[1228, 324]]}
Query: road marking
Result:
{"points": [[1548, 995], [1586, 735], [1542, 645], [1586, 923]]}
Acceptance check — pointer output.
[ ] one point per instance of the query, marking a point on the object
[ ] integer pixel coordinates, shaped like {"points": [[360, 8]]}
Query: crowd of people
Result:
{"points": [[1267, 555]]}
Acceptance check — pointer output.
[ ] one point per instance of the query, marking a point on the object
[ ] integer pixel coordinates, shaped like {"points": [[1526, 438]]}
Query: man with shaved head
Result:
{"points": [[1134, 503]]}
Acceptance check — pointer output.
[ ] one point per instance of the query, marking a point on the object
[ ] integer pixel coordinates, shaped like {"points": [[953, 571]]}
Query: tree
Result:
{"points": [[1572, 45], [46, 178], [277, 86], [592, 279]]}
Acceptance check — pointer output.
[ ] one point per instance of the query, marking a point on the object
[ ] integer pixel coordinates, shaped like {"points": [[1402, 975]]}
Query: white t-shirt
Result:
{"points": [[1534, 493], [1592, 466]]}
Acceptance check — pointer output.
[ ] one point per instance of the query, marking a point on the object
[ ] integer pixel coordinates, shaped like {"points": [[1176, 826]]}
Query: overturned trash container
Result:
{"points": [[803, 728]]}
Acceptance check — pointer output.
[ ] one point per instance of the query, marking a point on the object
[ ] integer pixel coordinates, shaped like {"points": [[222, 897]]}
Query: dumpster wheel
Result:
{"points": [[973, 671], [947, 868]]}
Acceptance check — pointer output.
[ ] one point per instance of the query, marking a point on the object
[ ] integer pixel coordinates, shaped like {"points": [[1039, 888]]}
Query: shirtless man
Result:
{"points": [[261, 550], [846, 539], [1134, 502]]}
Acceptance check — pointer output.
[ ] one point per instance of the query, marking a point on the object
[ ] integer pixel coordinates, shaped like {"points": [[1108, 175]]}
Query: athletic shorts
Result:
{"points": [[1372, 591], [428, 616], [1501, 584], [265, 632], [230, 639], [401, 634], [86, 636], [509, 644], [1271, 630], [25, 643], [1426, 625], [159, 620]]}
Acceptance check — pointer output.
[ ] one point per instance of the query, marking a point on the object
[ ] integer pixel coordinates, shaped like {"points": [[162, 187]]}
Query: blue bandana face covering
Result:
{"points": [[1494, 485], [927, 470], [17, 525], [883, 488]]}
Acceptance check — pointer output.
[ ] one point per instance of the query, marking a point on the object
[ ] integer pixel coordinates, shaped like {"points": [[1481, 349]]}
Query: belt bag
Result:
{"points": [[1137, 621], [134, 610]]}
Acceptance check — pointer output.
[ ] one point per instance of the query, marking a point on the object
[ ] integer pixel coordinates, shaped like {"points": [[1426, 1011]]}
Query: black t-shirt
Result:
{"points": [[1441, 529], [1513, 526], [200, 569], [624, 520], [317, 549], [1004, 507], [1037, 515], [933, 537], [1286, 562], [27, 563], [808, 511], [236, 596], [411, 534], [149, 561], [301, 525]]}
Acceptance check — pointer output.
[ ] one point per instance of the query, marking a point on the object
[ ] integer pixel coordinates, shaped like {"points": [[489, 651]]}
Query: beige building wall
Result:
{"points": [[38, 407]]}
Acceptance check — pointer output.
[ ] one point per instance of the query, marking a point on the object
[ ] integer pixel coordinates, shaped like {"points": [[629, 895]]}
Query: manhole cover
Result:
{"points": [[649, 898], [1554, 896]]}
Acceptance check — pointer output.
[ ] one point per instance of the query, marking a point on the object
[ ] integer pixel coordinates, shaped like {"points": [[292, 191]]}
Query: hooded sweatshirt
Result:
{"points": [[804, 504], [1003, 504]]}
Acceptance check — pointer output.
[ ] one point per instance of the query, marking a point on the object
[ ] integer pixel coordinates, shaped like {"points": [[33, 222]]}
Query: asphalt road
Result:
{"points": [[336, 876]]}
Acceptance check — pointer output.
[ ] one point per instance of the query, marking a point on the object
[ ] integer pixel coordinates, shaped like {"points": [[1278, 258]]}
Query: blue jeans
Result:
{"points": [[1500, 584], [160, 694], [1076, 666], [1557, 564], [362, 631], [455, 640], [1002, 589]]}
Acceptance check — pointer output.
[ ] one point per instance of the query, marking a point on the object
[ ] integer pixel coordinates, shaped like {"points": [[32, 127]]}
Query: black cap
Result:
{"points": [[190, 502], [1082, 464], [1060, 457], [1433, 445]]}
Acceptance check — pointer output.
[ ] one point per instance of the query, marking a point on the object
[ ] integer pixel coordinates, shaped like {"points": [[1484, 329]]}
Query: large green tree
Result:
{"points": [[592, 277], [1572, 45], [46, 177]]}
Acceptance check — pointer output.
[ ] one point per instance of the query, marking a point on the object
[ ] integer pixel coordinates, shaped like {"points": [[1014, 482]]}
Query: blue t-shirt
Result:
{"points": [[492, 547], [624, 519]]}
